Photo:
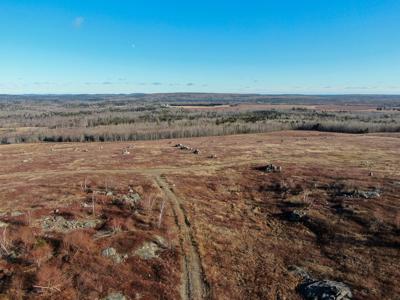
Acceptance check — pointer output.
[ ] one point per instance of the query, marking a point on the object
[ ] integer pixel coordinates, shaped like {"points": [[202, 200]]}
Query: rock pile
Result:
{"points": [[151, 249], [270, 168], [184, 147], [60, 224], [131, 200], [361, 194]]}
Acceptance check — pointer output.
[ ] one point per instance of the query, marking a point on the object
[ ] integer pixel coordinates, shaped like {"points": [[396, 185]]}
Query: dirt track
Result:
{"points": [[194, 284]]}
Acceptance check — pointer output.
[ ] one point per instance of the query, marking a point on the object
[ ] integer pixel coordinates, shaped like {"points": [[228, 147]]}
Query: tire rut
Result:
{"points": [[194, 283]]}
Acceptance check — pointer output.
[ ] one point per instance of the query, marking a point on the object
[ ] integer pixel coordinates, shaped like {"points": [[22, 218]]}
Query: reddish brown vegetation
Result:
{"points": [[238, 217]]}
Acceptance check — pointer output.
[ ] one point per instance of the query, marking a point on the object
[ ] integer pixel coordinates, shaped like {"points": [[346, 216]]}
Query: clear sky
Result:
{"points": [[127, 46]]}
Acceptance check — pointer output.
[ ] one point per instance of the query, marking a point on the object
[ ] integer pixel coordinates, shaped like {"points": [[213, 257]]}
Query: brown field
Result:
{"points": [[204, 226]]}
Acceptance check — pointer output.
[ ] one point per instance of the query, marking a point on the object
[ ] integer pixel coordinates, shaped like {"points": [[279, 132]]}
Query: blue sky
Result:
{"points": [[122, 46]]}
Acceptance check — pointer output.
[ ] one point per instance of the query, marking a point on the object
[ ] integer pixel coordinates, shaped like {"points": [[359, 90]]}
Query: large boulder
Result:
{"points": [[325, 290], [296, 215]]}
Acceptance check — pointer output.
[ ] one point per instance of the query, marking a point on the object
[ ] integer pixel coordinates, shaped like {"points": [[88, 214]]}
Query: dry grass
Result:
{"points": [[236, 214]]}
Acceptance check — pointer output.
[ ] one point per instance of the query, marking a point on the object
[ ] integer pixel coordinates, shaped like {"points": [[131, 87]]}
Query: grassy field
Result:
{"points": [[210, 225]]}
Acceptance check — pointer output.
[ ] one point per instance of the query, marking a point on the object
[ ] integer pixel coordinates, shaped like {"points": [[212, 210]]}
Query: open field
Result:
{"points": [[149, 220]]}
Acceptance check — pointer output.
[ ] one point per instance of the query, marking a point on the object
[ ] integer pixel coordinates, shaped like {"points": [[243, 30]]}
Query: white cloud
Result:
{"points": [[78, 22]]}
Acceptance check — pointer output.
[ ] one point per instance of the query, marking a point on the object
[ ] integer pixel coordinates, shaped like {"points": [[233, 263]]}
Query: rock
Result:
{"points": [[325, 290], [160, 241], [129, 200], [114, 255], [16, 213], [115, 296], [368, 194], [109, 252], [58, 223], [270, 168], [361, 194], [296, 215], [299, 272], [196, 151], [148, 250]]}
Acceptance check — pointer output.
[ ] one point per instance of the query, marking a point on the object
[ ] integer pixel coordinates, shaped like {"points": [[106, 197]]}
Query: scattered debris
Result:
{"points": [[114, 255], [59, 223], [325, 290], [125, 152], [212, 156]]}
